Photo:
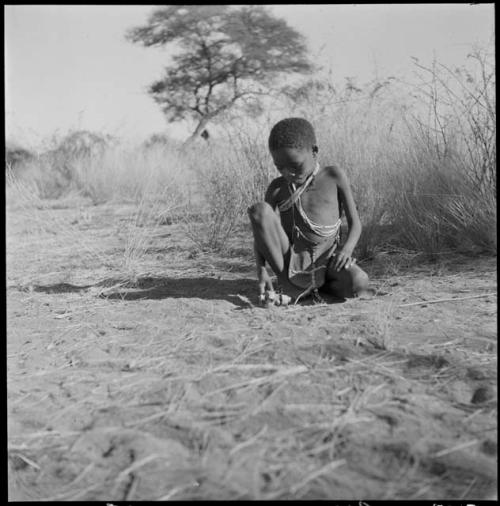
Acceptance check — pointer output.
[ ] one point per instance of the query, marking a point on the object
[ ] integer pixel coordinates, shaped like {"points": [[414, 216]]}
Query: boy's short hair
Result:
{"points": [[292, 133]]}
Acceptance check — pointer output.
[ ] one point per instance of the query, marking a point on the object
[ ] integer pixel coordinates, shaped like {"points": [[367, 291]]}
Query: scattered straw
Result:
{"points": [[267, 400], [45, 433], [148, 419], [306, 414], [325, 469], [437, 301], [286, 371], [69, 488], [136, 465], [249, 441]]}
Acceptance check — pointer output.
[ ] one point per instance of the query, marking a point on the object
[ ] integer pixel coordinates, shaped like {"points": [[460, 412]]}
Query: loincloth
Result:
{"points": [[309, 262]]}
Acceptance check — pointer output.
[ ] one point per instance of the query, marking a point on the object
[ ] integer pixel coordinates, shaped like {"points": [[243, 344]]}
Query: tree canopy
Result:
{"points": [[222, 55]]}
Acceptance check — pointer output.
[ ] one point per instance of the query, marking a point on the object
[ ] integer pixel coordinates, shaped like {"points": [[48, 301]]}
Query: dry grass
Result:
{"points": [[421, 160], [145, 181]]}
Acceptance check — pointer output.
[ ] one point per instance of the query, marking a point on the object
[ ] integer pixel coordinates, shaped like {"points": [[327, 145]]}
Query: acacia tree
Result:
{"points": [[223, 55]]}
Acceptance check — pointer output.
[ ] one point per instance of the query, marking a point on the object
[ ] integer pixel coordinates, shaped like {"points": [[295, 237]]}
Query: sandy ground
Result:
{"points": [[167, 382]]}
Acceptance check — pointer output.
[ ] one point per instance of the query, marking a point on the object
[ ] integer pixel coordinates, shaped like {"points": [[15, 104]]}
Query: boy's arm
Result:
{"points": [[263, 277], [344, 256], [264, 280]]}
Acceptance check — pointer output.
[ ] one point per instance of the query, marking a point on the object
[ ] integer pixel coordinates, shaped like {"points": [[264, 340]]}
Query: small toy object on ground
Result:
{"points": [[271, 298]]}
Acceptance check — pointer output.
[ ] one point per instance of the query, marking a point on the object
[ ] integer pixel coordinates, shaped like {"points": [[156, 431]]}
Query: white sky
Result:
{"points": [[69, 67]]}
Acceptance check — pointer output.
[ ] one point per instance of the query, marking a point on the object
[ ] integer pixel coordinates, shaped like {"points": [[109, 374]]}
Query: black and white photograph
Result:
{"points": [[251, 253]]}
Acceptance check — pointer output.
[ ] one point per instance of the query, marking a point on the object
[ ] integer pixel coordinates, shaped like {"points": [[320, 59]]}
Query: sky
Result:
{"points": [[70, 67]]}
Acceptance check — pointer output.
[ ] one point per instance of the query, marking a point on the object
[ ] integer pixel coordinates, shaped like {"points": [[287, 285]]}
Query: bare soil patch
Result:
{"points": [[169, 383]]}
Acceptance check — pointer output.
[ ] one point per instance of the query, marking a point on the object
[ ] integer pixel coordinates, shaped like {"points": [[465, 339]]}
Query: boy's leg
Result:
{"points": [[346, 283], [271, 241]]}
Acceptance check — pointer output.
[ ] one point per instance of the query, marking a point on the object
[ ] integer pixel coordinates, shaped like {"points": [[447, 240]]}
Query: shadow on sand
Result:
{"points": [[208, 288], [155, 288], [241, 292]]}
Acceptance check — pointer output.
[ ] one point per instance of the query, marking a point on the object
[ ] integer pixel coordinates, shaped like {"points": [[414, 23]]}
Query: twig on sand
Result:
{"points": [[461, 446], [28, 461], [243, 367], [246, 300], [446, 300], [297, 307], [469, 487], [178, 489]]}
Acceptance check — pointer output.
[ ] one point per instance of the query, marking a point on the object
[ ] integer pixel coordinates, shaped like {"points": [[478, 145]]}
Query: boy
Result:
{"points": [[302, 245]]}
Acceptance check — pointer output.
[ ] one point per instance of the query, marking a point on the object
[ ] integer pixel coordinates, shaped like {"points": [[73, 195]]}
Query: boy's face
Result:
{"points": [[295, 164]]}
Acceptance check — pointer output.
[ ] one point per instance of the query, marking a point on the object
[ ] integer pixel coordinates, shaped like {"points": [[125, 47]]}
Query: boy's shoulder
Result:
{"points": [[333, 171]]}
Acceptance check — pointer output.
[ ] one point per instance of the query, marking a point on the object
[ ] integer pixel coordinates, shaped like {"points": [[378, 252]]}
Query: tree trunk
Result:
{"points": [[199, 128]]}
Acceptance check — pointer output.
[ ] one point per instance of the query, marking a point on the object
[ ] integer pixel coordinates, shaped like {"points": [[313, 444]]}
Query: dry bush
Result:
{"points": [[439, 211], [129, 174], [102, 171], [453, 203], [23, 198], [53, 171], [232, 175]]}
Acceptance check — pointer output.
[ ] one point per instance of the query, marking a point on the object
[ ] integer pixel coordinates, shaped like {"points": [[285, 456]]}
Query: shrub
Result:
{"points": [[234, 174]]}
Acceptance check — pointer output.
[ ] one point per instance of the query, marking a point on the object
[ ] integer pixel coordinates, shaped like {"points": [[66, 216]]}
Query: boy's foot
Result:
{"points": [[316, 297], [367, 293]]}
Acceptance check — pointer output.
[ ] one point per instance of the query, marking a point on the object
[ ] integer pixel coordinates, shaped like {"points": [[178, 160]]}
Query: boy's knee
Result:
{"points": [[259, 211], [360, 281]]}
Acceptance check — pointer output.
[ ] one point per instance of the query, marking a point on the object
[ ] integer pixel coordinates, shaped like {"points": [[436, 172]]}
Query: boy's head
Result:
{"points": [[292, 133], [292, 143]]}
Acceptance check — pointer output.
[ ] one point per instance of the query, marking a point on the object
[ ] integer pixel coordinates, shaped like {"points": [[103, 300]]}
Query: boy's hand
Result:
{"points": [[265, 282], [344, 259]]}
